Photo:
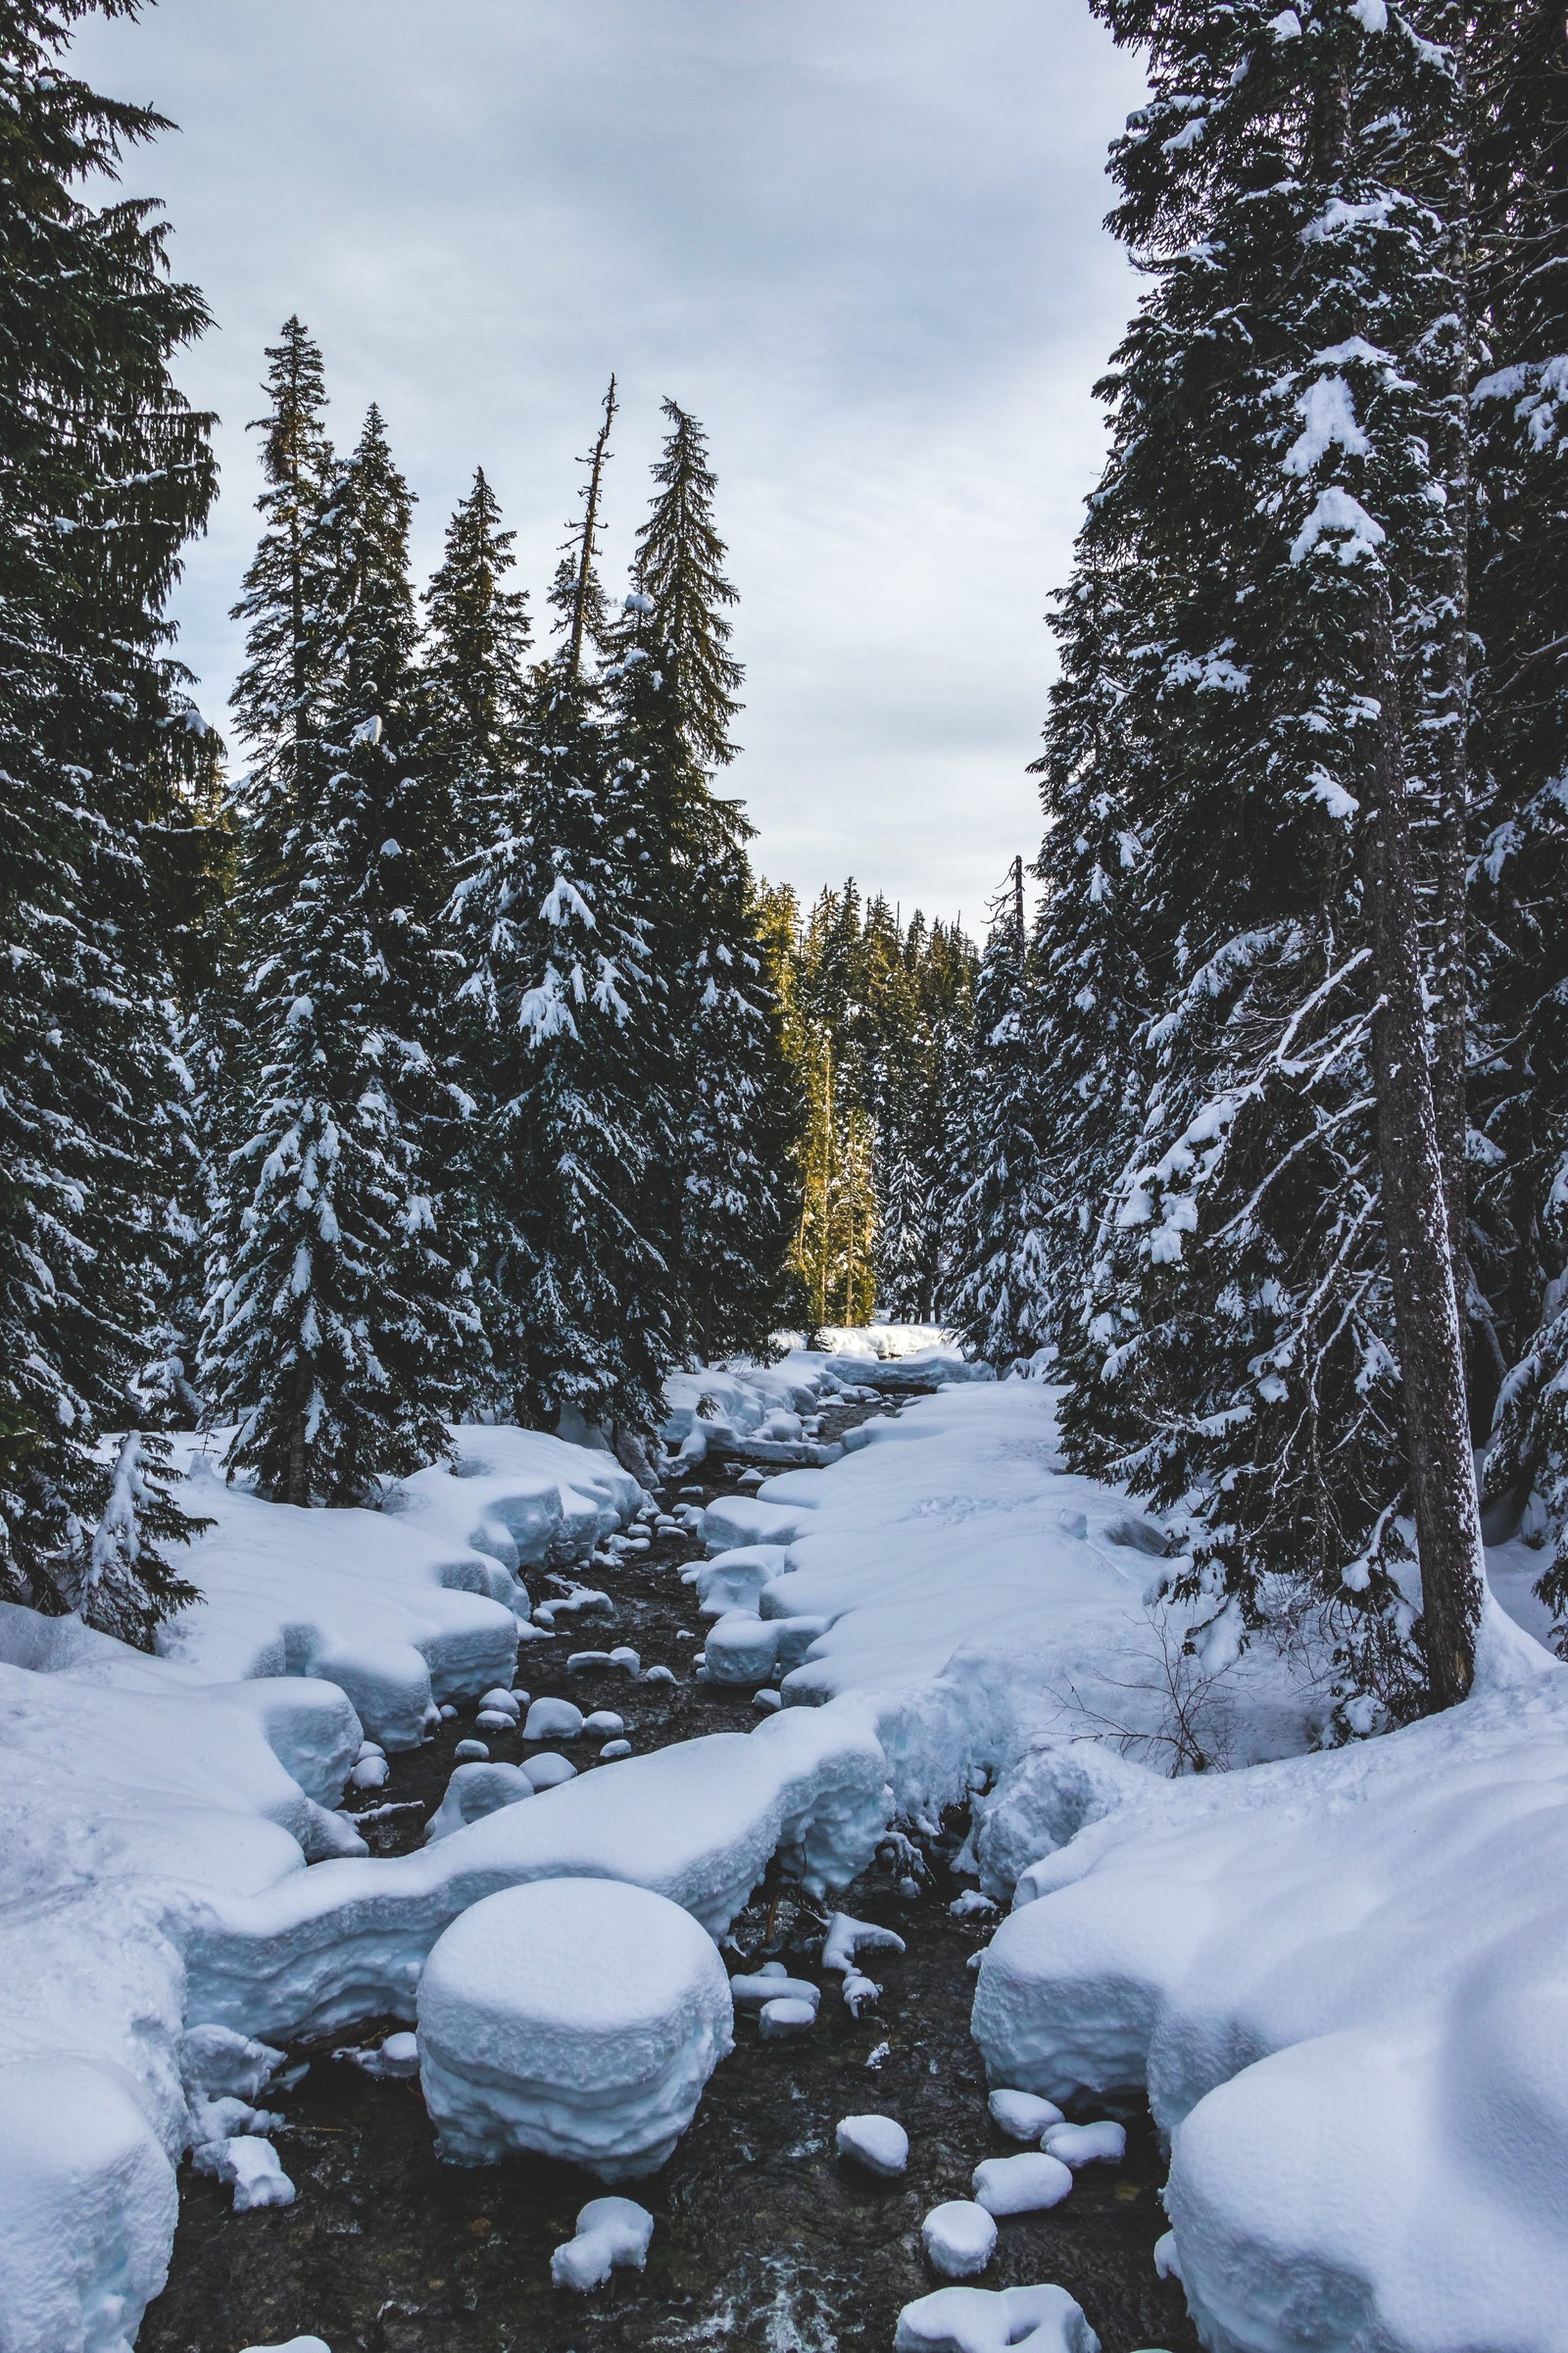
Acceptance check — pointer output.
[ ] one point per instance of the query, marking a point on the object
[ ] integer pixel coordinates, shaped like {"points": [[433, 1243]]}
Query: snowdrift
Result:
{"points": [[1343, 1980]]}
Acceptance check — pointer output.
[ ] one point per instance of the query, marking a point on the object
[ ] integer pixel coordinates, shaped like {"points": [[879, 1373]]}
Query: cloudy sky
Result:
{"points": [[860, 238]]}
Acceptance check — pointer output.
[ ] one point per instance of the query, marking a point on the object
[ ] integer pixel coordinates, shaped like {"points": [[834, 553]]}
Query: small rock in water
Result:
{"points": [[548, 1771], [971, 1906], [495, 1719], [768, 1701], [877, 2142], [511, 1703], [1021, 2185], [1086, 2144], [959, 2239], [623, 1655], [613, 2233], [882, 2051], [446, 1712], [662, 1674], [777, 2019], [371, 1773], [552, 1720], [295, 2344], [613, 1750], [588, 1663], [1021, 2115], [604, 1724], [471, 1752]]}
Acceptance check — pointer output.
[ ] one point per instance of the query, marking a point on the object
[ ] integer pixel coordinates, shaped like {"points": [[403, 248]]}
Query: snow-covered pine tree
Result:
{"points": [[997, 1293], [285, 606], [1520, 1054], [342, 1327], [551, 928], [1272, 1308], [722, 1099], [475, 671], [106, 471]]}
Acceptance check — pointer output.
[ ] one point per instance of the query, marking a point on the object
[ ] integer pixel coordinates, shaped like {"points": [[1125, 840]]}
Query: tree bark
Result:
{"points": [[298, 1490], [1415, 1210]]}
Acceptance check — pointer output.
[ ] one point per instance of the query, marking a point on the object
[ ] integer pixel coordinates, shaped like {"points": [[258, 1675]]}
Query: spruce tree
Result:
{"points": [[552, 935], [1271, 1308], [106, 471], [342, 1326], [719, 1094], [475, 673], [995, 1287]]}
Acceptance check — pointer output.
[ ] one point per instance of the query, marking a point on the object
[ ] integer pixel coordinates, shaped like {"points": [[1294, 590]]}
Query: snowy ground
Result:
{"points": [[1339, 1976]]}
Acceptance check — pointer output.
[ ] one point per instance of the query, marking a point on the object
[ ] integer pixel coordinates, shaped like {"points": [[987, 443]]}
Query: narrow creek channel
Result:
{"points": [[764, 2237]]}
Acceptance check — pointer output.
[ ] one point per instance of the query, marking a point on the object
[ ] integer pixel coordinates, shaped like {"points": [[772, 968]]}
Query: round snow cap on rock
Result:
{"points": [[1021, 2185], [877, 2142], [959, 2239], [1021, 2115], [579, 2017], [984, 2319], [552, 1720], [786, 2016], [547, 1770]]}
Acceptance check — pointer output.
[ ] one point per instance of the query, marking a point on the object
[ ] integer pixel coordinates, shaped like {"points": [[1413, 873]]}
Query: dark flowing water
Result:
{"points": [[764, 2237]]}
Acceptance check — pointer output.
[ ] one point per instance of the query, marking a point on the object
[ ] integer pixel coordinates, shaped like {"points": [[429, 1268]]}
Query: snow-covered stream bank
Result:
{"points": [[943, 1610]]}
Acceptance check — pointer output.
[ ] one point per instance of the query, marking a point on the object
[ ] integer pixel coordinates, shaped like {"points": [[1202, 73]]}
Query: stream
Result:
{"points": [[764, 2237]]}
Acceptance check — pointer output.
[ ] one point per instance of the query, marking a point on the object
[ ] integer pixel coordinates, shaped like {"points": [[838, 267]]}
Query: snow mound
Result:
{"points": [[1342, 1981], [524, 1498], [577, 2017], [473, 1790], [984, 2319], [613, 2233], [959, 2239], [1086, 2145]]}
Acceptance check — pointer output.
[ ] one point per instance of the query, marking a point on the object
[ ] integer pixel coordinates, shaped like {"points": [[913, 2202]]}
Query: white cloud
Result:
{"points": [[858, 237]]}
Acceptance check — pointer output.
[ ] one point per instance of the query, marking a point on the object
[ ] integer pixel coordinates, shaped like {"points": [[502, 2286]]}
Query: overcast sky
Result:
{"points": [[860, 238]]}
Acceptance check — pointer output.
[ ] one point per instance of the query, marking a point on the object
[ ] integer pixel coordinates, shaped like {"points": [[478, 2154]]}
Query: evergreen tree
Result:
{"points": [[1271, 1310], [551, 929], [997, 1289], [105, 473], [290, 631], [477, 679], [721, 1094], [341, 1326]]}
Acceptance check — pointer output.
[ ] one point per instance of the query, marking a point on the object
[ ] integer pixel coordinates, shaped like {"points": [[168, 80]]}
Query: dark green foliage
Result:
{"points": [[104, 472]]}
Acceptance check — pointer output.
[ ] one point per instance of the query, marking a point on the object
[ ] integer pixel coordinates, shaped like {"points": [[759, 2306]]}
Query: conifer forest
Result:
{"points": [[1098, 1390]]}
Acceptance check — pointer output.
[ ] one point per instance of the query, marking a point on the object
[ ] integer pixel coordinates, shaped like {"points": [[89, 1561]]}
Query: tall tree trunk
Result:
{"points": [[299, 1488], [1415, 1211]]}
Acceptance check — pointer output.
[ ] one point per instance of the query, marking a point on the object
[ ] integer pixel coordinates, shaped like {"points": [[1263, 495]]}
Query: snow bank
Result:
{"points": [[697, 1823], [521, 1497], [396, 1618], [1344, 1982], [579, 2017], [949, 1571]]}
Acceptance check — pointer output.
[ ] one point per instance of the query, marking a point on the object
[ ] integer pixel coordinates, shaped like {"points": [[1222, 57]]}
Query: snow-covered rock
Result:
{"points": [[1086, 2145], [877, 2142], [749, 1992], [552, 1720], [785, 2015], [251, 2167], [983, 2320], [549, 1770], [473, 1790], [613, 2234], [959, 2239], [577, 2017], [1025, 2185], [1022, 2115]]}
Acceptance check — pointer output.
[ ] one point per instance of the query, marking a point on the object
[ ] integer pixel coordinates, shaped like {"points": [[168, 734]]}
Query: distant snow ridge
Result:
{"points": [[577, 2017]]}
